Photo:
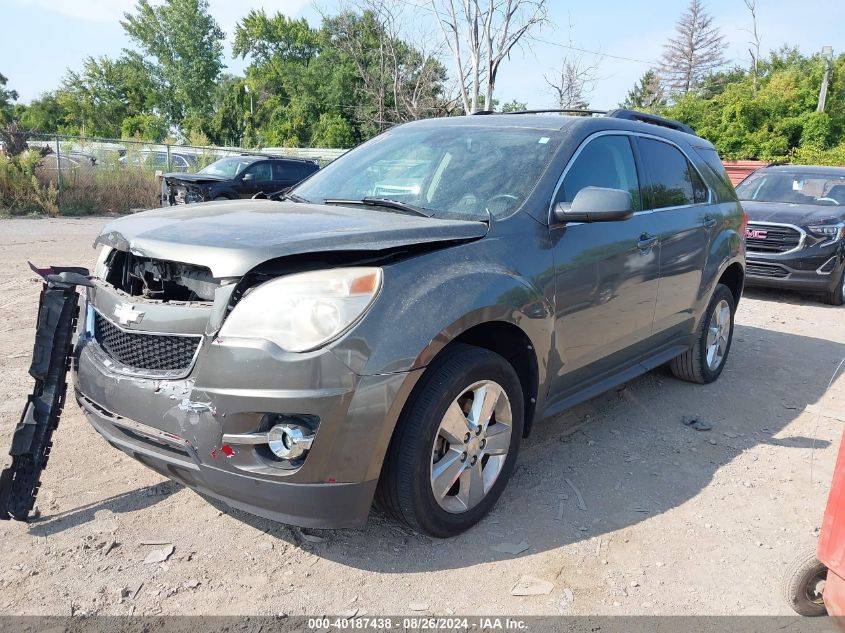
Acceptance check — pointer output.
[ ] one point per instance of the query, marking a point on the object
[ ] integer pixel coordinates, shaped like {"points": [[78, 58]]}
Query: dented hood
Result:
{"points": [[232, 237]]}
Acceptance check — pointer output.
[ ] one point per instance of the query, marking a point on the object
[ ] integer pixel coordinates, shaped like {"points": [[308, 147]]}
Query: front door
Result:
{"points": [[606, 273], [255, 178]]}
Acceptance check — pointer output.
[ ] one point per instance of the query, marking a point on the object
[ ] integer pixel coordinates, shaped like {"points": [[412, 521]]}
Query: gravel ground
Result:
{"points": [[671, 520]]}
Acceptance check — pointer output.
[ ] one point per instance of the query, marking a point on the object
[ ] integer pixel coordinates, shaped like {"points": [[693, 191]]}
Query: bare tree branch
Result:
{"points": [[696, 50], [754, 51], [480, 35]]}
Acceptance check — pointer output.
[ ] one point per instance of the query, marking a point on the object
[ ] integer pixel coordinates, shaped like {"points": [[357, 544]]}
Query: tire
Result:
{"points": [[801, 585], [836, 297], [419, 444], [693, 364]]}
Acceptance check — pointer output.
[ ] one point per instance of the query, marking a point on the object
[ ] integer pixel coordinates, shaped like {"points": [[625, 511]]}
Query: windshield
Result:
{"points": [[793, 187], [450, 171], [226, 167]]}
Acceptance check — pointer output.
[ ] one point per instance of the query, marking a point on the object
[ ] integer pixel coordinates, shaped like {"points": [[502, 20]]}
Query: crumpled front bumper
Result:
{"points": [[176, 426]]}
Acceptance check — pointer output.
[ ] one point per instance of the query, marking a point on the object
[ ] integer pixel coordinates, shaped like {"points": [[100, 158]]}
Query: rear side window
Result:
{"points": [[290, 171], [672, 180], [715, 165], [606, 161]]}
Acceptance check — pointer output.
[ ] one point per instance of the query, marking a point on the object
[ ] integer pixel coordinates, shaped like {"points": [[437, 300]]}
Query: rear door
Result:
{"points": [[605, 272], [288, 173], [678, 199]]}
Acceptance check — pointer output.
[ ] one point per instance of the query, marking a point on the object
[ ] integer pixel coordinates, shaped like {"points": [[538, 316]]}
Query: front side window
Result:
{"points": [[606, 161], [226, 167], [262, 172], [453, 171], [793, 187], [673, 181]]}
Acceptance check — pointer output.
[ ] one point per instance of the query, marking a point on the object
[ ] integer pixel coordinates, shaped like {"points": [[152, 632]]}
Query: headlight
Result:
{"points": [[831, 231], [100, 268], [304, 311]]}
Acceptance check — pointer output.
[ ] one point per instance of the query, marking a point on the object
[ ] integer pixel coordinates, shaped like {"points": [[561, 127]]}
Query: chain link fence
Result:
{"points": [[75, 175]]}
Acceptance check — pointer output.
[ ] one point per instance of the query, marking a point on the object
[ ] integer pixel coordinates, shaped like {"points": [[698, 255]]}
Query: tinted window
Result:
{"points": [[453, 170], [673, 182], [714, 164], [261, 171], [606, 161]]}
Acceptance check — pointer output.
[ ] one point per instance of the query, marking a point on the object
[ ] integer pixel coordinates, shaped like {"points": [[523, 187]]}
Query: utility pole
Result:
{"points": [[827, 56]]}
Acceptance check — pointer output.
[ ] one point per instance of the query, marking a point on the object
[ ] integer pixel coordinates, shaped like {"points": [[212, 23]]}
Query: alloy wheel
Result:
{"points": [[718, 333], [471, 446]]}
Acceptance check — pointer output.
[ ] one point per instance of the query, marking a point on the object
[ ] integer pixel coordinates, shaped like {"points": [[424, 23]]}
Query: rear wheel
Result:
{"points": [[704, 361], [803, 585], [836, 297], [456, 443]]}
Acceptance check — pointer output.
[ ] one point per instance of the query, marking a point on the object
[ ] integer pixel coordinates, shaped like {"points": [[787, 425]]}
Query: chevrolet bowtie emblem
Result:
{"points": [[126, 314]]}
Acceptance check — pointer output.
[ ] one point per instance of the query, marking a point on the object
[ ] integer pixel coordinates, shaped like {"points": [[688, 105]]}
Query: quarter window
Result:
{"points": [[673, 181], [606, 161]]}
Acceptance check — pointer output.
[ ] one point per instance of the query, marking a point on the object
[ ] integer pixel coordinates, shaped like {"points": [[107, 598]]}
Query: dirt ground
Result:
{"points": [[673, 520]]}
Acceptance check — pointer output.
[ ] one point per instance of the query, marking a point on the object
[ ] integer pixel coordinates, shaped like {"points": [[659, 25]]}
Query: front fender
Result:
{"points": [[429, 300]]}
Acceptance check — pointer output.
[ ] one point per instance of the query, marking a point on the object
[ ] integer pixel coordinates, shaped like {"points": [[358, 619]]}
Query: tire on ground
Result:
{"points": [[692, 364], [799, 584], [404, 489], [836, 297]]}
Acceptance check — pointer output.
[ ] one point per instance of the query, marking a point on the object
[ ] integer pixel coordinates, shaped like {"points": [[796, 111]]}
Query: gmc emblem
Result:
{"points": [[756, 234]]}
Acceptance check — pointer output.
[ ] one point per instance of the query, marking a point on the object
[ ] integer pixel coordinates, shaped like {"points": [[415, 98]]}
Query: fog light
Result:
{"points": [[288, 441]]}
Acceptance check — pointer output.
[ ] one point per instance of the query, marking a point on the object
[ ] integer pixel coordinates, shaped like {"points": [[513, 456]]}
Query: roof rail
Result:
{"points": [[643, 117], [620, 113], [260, 154], [546, 111]]}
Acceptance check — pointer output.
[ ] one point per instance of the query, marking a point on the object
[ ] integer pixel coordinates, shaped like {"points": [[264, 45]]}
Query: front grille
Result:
{"points": [[139, 350], [771, 239], [766, 270]]}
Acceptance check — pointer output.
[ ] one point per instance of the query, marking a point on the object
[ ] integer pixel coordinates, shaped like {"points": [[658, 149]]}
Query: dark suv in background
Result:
{"points": [[236, 177], [796, 229], [396, 324]]}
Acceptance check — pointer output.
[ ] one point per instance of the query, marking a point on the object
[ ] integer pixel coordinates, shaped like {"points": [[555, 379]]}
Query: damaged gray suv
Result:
{"points": [[392, 327]]}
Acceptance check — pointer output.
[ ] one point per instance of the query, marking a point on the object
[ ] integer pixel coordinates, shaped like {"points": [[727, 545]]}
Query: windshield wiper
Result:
{"points": [[386, 203], [292, 197]]}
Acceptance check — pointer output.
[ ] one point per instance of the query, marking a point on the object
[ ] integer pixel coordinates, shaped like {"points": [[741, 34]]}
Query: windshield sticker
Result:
{"points": [[543, 140]]}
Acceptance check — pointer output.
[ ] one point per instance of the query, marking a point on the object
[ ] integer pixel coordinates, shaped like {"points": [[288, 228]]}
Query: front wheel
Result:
{"points": [[704, 361], [455, 444], [836, 297]]}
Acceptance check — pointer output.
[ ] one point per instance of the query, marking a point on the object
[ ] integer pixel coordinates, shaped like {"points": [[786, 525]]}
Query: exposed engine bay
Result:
{"points": [[159, 280]]}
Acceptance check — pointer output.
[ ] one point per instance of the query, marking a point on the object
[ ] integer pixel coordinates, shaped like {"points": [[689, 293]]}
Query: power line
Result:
{"points": [[584, 50]]}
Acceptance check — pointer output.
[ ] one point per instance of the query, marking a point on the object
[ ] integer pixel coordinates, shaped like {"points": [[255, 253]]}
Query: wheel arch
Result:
{"points": [[734, 278]]}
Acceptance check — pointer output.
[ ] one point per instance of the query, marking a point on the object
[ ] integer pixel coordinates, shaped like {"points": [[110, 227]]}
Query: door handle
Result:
{"points": [[709, 222], [646, 242]]}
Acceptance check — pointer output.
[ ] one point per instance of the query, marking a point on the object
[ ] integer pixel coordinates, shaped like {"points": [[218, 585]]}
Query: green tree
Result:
{"points": [[106, 92], [647, 94], [776, 121], [6, 98], [514, 106], [184, 46], [332, 130], [44, 114]]}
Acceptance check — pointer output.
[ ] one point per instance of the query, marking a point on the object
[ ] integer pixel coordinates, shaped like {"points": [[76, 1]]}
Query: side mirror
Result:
{"points": [[248, 177], [596, 204]]}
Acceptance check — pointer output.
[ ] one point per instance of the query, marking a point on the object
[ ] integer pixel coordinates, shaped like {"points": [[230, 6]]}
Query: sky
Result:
{"points": [[41, 39]]}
